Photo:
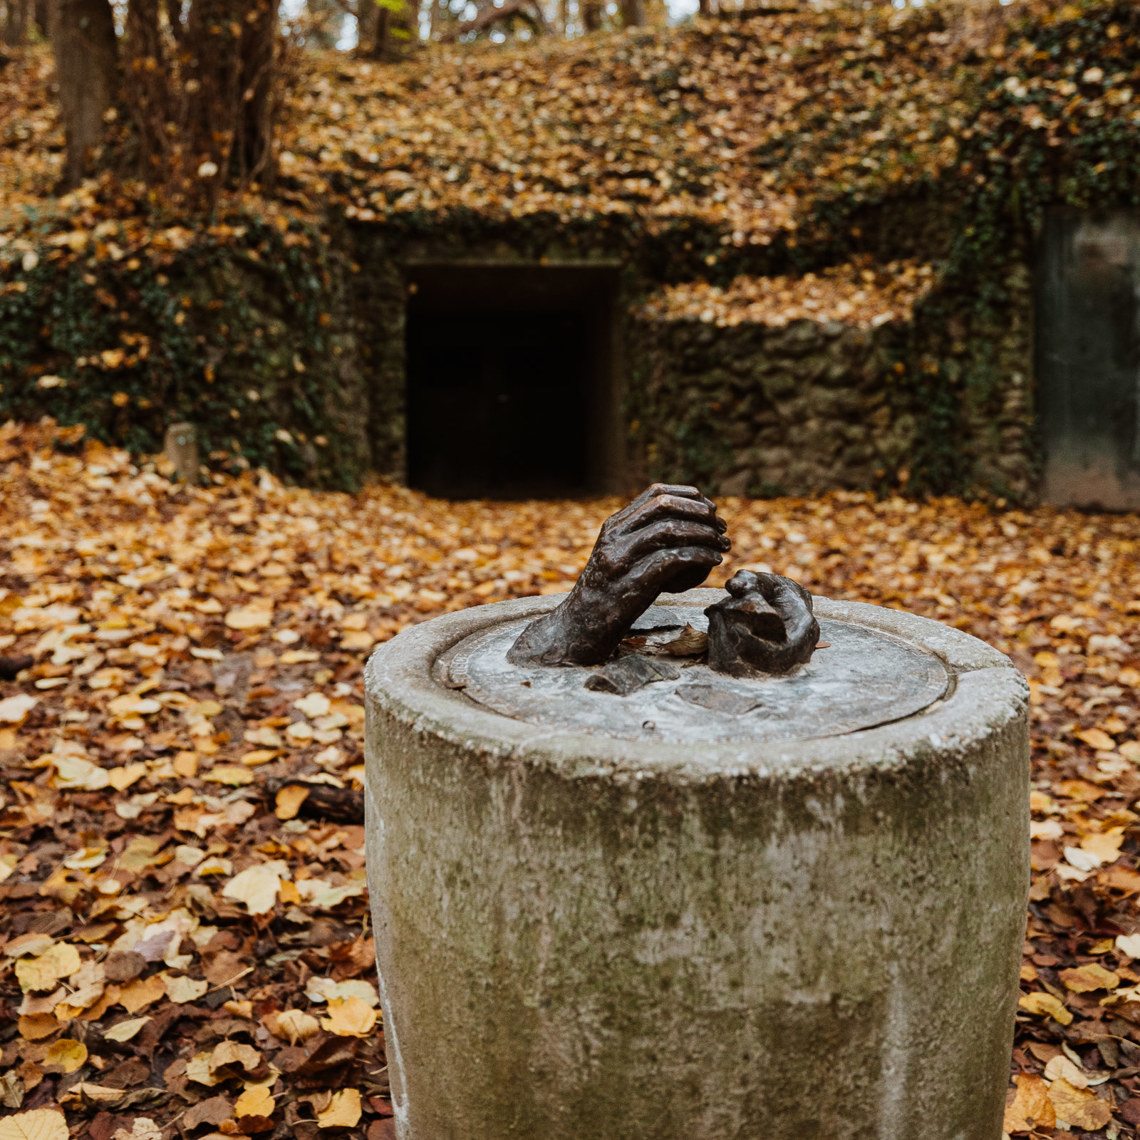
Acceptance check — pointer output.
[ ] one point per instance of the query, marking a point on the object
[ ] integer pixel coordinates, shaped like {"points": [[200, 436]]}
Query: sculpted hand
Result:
{"points": [[665, 541], [766, 625]]}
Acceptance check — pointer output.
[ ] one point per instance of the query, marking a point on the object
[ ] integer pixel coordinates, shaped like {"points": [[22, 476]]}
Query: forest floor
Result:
{"points": [[184, 944]]}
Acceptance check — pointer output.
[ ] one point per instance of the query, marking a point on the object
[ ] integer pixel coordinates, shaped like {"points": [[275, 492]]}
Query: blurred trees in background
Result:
{"points": [[191, 86], [184, 93]]}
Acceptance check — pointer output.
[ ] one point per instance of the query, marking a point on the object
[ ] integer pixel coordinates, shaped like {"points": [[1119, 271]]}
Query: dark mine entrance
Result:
{"points": [[510, 381]]}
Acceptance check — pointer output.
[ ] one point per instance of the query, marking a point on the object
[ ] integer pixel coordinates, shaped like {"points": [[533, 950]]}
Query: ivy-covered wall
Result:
{"points": [[244, 329]]}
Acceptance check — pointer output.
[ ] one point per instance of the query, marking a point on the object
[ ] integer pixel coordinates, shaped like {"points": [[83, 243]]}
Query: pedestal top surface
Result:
{"points": [[863, 678]]}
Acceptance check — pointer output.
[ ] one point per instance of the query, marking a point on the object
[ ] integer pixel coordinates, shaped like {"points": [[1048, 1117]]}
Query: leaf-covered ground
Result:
{"points": [[184, 947]]}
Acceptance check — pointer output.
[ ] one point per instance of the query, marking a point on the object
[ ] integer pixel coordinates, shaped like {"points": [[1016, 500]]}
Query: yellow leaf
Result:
{"points": [[13, 710], [65, 1055], [249, 617], [122, 778], [80, 774], [292, 1025], [1078, 1108], [1085, 979], [37, 1026], [1130, 750], [235, 1055], [289, 800], [182, 989], [1129, 676], [349, 1017], [1044, 1003], [1129, 944], [313, 705], [1104, 845], [125, 1030], [256, 886], [1031, 1108], [198, 1070], [44, 972], [260, 756], [1097, 738], [1060, 1068], [142, 992], [232, 775], [39, 1124], [343, 1110], [257, 1100]]}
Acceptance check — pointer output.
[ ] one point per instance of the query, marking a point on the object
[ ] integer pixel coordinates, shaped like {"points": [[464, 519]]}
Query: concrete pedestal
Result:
{"points": [[781, 916]]}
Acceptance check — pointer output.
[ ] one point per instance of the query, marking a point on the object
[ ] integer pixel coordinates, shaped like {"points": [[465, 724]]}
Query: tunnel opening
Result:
{"points": [[511, 387]]}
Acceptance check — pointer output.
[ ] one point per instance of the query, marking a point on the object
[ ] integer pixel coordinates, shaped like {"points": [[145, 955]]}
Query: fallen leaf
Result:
{"points": [[44, 972], [289, 800], [1045, 1003], [14, 709], [1086, 979], [349, 1017], [65, 1056], [1061, 1068], [343, 1111], [1031, 1108], [313, 705], [249, 617], [1078, 1108], [125, 1030], [256, 886], [257, 1100], [181, 989], [234, 1055], [1096, 738], [38, 1124], [1129, 944], [292, 1025]]}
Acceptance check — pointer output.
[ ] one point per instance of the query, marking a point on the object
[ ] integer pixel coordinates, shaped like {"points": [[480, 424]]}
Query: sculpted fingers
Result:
{"points": [[667, 534], [663, 569], [663, 500]]}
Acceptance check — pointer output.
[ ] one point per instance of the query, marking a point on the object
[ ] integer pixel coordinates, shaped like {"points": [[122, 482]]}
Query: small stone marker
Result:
{"points": [[626, 897], [181, 449]]}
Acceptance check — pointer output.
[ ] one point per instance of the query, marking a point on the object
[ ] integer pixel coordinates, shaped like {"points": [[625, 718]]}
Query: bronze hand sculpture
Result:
{"points": [[765, 625], [665, 541]]}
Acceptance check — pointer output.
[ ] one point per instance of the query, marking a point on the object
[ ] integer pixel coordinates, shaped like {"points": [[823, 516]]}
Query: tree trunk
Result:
{"points": [[632, 13], [146, 86], [16, 22], [83, 40], [705, 7], [175, 19], [41, 14], [367, 19], [326, 23], [591, 12], [259, 93], [232, 47], [393, 30]]}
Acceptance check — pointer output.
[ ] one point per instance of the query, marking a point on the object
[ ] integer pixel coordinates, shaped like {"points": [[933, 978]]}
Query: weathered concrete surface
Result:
{"points": [[603, 939]]}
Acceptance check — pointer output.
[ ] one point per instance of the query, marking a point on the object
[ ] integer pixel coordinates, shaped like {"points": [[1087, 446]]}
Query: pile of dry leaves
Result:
{"points": [[185, 945]]}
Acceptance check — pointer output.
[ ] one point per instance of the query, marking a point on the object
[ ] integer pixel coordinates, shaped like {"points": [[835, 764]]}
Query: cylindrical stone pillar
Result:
{"points": [[716, 909]]}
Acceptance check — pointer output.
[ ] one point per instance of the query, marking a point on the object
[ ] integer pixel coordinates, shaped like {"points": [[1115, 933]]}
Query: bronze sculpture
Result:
{"points": [[666, 541]]}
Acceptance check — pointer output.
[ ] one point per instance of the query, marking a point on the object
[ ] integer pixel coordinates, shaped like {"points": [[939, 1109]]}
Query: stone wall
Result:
{"points": [[847, 379], [759, 410]]}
